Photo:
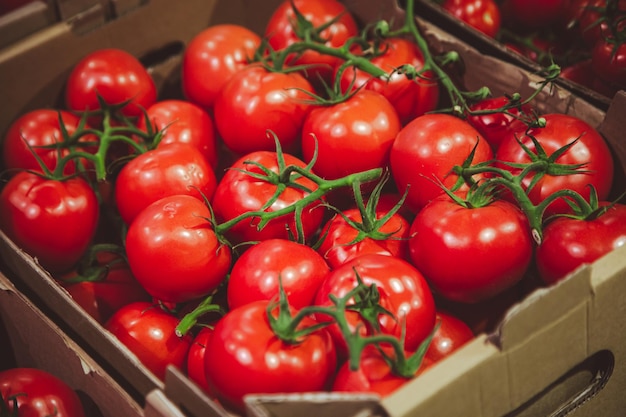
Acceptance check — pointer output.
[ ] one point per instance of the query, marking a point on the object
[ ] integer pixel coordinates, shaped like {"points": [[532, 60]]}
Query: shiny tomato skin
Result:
{"points": [[364, 127], [149, 332], [483, 15], [53, 221], [196, 358], [178, 168], [451, 334], [255, 274], [255, 100], [560, 130], [174, 252], [470, 254], [403, 291], [183, 121], [569, 243], [244, 356], [280, 32], [410, 97], [39, 128], [114, 74], [425, 151], [38, 393], [212, 57], [238, 193], [608, 62]]}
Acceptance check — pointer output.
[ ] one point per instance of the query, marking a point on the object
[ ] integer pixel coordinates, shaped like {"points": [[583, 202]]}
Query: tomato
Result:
{"points": [[403, 292], [608, 62], [255, 100], [244, 356], [363, 127], [425, 151], [470, 254], [568, 243], [561, 130], [494, 127], [115, 75], [173, 250], [281, 31], [149, 332], [483, 15], [38, 394], [53, 221], [211, 58], [196, 358], [178, 168], [238, 192], [34, 131], [338, 236], [529, 15], [255, 274], [410, 97], [183, 121], [451, 334]]}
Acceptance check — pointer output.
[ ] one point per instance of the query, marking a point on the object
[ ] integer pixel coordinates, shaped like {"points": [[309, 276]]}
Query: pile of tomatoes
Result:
{"points": [[298, 218], [587, 38]]}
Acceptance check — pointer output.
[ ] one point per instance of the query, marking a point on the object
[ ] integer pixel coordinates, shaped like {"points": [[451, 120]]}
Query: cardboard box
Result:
{"points": [[537, 348], [21, 22], [31, 339]]}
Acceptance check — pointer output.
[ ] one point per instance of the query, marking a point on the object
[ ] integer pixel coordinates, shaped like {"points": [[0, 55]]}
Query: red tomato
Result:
{"points": [[196, 359], [451, 334], [238, 193], [173, 251], [426, 150], [115, 75], [182, 121], [364, 127], [494, 127], [608, 62], [33, 132], [281, 32], [470, 254], [212, 57], [177, 168], [529, 15], [53, 221], [256, 273], [568, 243], [483, 15], [403, 292], [150, 333], [410, 97], [338, 244], [244, 356], [255, 100], [38, 394], [561, 130]]}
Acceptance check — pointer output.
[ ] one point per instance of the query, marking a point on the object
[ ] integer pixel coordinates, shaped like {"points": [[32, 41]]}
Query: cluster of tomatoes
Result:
{"points": [[295, 220], [587, 38]]}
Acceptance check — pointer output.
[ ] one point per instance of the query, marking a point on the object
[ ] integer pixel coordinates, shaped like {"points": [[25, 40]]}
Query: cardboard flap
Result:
{"points": [[182, 391], [322, 404]]}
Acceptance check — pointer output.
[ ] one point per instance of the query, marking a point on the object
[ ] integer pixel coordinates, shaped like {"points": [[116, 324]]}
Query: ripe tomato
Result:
{"points": [[426, 150], [255, 274], [470, 254], [281, 31], [34, 131], [173, 251], [483, 15], [178, 168], [561, 130], [238, 193], [451, 334], [255, 100], [410, 97], [529, 15], [183, 121], [115, 75], [244, 356], [569, 243], [38, 394], [196, 358], [149, 332], [364, 127], [403, 292], [212, 57], [53, 221], [608, 62]]}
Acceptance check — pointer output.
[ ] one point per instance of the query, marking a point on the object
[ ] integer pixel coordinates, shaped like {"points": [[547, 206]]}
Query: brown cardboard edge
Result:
{"points": [[24, 21]]}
